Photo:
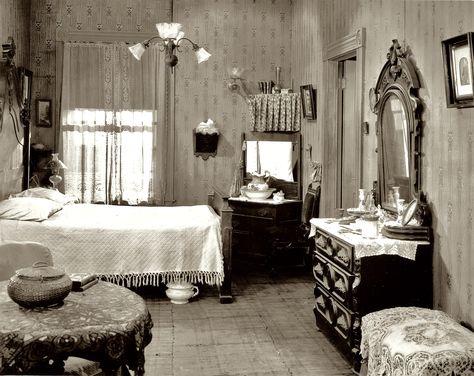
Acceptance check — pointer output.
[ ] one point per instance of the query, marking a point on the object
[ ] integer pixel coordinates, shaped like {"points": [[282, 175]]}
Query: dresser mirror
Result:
{"points": [[397, 105], [277, 153]]}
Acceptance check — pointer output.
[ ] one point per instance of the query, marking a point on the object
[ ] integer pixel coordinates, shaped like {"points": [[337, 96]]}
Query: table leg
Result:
{"points": [[109, 369], [140, 370]]}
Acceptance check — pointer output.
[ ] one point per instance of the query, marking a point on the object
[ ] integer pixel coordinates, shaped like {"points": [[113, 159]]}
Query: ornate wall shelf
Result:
{"points": [[205, 145]]}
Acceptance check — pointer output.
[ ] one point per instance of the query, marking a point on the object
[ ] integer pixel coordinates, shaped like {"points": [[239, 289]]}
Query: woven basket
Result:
{"points": [[39, 286]]}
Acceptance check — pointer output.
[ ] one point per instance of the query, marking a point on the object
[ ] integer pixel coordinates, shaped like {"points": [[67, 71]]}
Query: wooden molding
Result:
{"points": [[102, 36], [345, 45]]}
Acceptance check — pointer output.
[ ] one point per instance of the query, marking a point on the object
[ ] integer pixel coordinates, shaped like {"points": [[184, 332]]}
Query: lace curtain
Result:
{"points": [[113, 131]]}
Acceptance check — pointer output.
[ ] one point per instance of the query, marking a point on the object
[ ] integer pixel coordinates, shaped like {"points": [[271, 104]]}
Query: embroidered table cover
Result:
{"points": [[411, 341], [365, 247], [106, 323]]}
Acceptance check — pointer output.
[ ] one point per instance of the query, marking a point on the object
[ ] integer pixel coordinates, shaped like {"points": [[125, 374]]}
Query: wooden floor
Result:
{"points": [[268, 330]]}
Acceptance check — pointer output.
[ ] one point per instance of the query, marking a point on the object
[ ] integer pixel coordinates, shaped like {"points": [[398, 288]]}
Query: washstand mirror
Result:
{"points": [[279, 154], [397, 105]]}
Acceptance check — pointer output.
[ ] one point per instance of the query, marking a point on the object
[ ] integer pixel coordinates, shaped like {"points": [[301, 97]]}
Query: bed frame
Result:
{"points": [[219, 202]]}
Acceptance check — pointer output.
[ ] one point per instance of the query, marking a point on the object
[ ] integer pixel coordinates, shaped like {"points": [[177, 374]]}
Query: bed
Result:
{"points": [[130, 245]]}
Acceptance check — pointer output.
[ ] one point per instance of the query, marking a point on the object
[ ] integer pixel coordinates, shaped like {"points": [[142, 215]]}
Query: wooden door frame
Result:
{"points": [[349, 46]]}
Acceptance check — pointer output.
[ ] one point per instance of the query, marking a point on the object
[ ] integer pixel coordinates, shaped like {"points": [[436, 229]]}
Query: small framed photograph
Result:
{"points": [[44, 112], [458, 70], [308, 102]]}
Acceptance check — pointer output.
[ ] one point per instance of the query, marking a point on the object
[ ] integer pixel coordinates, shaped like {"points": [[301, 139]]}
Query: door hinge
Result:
{"points": [[342, 83], [365, 127]]}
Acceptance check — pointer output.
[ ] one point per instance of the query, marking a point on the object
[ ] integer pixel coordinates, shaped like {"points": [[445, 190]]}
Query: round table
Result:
{"points": [[106, 323]]}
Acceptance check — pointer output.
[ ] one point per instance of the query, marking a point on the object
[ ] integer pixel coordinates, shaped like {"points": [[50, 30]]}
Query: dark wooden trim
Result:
{"points": [[219, 202]]}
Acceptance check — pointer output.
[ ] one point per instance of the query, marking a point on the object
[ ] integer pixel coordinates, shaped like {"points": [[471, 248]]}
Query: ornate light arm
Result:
{"points": [[148, 41], [170, 35], [195, 46], [138, 49], [201, 54]]}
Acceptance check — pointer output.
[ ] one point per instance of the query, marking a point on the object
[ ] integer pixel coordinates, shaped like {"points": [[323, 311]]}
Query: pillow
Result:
{"points": [[28, 208], [50, 194]]}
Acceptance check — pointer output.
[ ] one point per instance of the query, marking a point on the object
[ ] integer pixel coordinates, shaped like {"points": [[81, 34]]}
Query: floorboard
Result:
{"points": [[269, 329]]}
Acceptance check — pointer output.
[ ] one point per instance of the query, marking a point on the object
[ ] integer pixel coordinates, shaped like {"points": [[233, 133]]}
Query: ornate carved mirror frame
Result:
{"points": [[398, 107]]}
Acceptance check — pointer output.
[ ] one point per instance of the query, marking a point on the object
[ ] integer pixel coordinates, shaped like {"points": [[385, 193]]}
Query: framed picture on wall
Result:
{"points": [[308, 102], [458, 70], [44, 111]]}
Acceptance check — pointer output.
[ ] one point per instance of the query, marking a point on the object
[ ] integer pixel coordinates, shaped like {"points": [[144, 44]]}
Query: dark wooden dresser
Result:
{"points": [[253, 221], [355, 276]]}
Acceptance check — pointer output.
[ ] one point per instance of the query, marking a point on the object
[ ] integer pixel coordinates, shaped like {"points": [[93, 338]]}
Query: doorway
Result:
{"points": [[344, 116], [348, 150]]}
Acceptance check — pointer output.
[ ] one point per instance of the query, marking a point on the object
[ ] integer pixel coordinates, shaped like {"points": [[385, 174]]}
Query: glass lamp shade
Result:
{"points": [[137, 50], [55, 180], [169, 30], [236, 72], [202, 55], [55, 165], [180, 35]]}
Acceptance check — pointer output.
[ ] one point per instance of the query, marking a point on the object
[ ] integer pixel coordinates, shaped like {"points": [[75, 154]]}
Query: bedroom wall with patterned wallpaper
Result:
{"points": [[50, 16], [448, 153], [14, 22], [252, 34]]}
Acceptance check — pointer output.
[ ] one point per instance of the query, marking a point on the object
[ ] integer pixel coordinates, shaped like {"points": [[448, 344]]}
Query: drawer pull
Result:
{"points": [[340, 287], [329, 275], [321, 241], [320, 302], [263, 212], [318, 271], [342, 322], [343, 256]]}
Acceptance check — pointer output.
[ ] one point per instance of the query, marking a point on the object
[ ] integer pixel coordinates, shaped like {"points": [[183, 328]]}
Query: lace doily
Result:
{"points": [[365, 247]]}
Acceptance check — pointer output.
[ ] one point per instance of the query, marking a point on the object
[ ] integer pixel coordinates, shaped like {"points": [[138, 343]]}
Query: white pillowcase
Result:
{"points": [[28, 208], [50, 194]]}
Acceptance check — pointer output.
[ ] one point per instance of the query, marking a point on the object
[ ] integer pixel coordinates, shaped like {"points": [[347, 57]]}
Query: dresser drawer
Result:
{"points": [[342, 285], [339, 282], [322, 271], [343, 321], [241, 222], [256, 211], [289, 210], [323, 304], [337, 250]]}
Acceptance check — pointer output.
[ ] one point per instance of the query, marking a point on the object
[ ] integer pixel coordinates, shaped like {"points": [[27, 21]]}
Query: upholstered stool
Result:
{"points": [[412, 341]]}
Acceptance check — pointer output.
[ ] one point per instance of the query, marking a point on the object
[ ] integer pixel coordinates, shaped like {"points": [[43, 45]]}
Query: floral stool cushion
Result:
{"points": [[411, 341]]}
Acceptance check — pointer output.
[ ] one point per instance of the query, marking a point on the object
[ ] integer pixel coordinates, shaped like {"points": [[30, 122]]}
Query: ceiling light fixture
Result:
{"points": [[170, 36]]}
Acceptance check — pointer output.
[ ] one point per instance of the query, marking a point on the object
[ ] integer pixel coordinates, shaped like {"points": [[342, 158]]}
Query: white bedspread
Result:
{"points": [[133, 245]]}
